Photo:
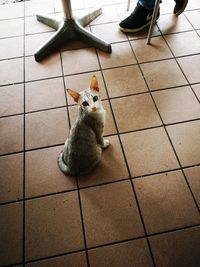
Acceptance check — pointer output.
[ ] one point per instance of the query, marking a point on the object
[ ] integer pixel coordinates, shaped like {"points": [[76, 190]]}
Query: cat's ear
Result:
{"points": [[94, 84], [74, 95]]}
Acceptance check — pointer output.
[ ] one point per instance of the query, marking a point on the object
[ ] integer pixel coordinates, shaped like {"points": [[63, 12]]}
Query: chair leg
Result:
{"points": [[153, 20], [128, 5]]}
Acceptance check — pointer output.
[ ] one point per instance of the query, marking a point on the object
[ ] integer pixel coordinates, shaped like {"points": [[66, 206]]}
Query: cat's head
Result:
{"points": [[88, 99]]}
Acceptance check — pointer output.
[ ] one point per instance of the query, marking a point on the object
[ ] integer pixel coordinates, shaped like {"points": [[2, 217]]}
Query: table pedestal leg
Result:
{"points": [[70, 29]]}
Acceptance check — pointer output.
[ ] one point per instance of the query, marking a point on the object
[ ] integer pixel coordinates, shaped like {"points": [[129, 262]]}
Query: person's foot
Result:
{"points": [[180, 6], [138, 20]]}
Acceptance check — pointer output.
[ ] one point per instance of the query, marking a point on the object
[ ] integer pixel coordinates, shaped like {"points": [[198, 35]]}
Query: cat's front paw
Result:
{"points": [[106, 143]]}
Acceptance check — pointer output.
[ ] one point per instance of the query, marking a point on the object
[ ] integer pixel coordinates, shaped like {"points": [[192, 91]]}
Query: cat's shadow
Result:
{"points": [[112, 166]]}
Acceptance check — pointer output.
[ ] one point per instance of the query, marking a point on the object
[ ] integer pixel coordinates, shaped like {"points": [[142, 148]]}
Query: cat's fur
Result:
{"points": [[83, 148]]}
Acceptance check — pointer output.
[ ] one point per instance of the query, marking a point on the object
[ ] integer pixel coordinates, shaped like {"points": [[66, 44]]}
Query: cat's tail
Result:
{"points": [[62, 165]]}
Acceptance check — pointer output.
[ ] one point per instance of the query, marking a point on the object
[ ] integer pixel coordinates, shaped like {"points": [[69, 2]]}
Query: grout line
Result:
{"points": [[24, 159], [144, 236], [76, 74], [149, 245], [111, 98], [78, 191], [168, 135], [189, 84], [82, 222], [127, 166], [97, 184], [112, 134], [106, 99], [114, 243], [106, 68]]}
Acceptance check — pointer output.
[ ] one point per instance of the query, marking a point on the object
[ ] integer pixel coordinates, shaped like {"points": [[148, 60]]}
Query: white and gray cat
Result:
{"points": [[83, 148]]}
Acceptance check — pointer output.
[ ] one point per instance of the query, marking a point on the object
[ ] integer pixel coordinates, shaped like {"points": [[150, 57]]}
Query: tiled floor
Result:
{"points": [[140, 206]]}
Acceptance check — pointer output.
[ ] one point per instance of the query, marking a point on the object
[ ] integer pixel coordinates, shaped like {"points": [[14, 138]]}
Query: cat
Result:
{"points": [[83, 148]]}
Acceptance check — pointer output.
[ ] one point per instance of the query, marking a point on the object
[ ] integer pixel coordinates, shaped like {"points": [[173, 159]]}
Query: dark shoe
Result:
{"points": [[180, 6], [138, 20]]}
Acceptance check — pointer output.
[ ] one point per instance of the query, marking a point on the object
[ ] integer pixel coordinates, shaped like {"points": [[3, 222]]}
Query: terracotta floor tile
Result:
{"points": [[109, 14], [170, 24], [71, 260], [148, 152], [39, 7], [121, 55], [121, 7], [34, 41], [49, 67], [7, 95], [11, 47], [132, 253], [52, 217], [10, 11], [46, 128], [109, 32], [124, 81], [58, 6], [81, 4], [11, 134], [167, 7], [109, 124], [43, 175], [184, 43], [11, 233], [177, 104], [163, 74], [110, 127], [53, 226], [185, 138], [192, 4], [44, 94], [189, 66], [196, 88], [32, 25], [135, 112], [11, 77], [90, 4], [194, 18], [166, 202], [156, 51], [193, 175], [110, 213], [143, 33], [11, 182], [10, 28], [82, 81], [177, 248], [79, 57], [112, 166]]}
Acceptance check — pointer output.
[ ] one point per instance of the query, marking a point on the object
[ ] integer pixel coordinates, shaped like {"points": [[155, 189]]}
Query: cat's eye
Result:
{"points": [[95, 98], [85, 104]]}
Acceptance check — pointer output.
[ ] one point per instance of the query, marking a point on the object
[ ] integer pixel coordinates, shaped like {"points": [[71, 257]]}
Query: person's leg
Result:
{"points": [[148, 4], [140, 18], [180, 6]]}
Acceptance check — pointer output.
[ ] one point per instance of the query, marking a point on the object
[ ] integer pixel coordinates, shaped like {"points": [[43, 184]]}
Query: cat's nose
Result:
{"points": [[94, 109]]}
